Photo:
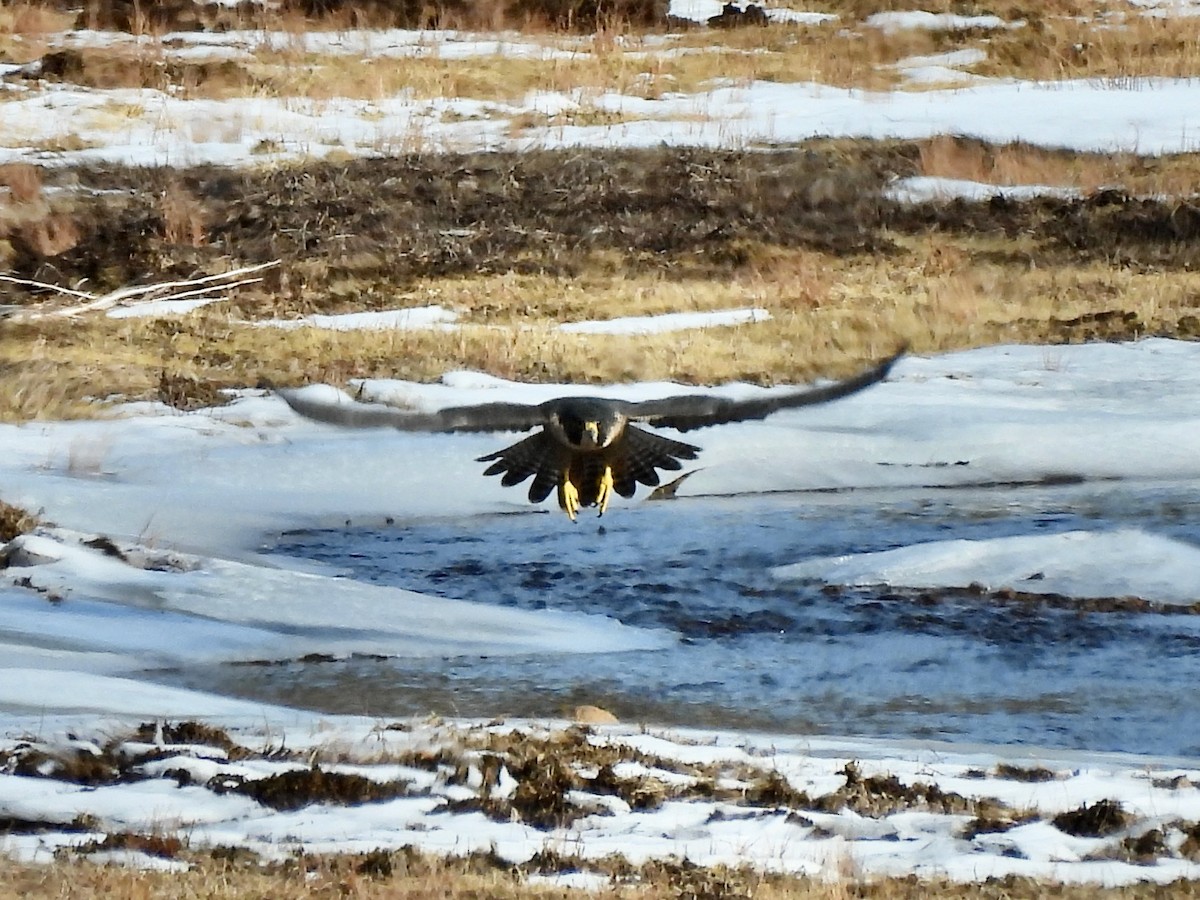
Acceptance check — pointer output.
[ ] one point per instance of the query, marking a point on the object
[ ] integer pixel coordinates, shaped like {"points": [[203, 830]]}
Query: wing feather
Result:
{"points": [[537, 455], [638, 456], [353, 414], [689, 411]]}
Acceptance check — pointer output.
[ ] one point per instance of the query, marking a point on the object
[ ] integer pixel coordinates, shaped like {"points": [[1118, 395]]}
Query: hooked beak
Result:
{"points": [[593, 428]]}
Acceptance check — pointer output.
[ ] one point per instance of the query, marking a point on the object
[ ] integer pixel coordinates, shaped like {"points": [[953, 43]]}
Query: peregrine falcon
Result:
{"points": [[586, 448]]}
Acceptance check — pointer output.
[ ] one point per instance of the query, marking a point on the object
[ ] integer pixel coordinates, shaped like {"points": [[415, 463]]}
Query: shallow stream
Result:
{"points": [[756, 653]]}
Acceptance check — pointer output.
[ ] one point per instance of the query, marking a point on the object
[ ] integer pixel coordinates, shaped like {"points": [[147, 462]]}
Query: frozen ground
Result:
{"points": [[189, 500], [816, 806], [147, 127], [97, 636]]}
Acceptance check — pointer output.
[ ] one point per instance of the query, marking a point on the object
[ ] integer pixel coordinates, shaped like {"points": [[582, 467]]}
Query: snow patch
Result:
{"points": [[1072, 563]]}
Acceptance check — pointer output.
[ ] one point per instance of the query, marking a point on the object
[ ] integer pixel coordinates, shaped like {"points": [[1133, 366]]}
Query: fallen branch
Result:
{"points": [[44, 286], [149, 293]]}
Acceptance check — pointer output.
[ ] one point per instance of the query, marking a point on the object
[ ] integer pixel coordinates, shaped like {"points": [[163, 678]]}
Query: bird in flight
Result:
{"points": [[585, 448]]}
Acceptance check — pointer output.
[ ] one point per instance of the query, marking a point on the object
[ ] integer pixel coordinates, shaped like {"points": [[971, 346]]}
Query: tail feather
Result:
{"points": [[634, 460]]}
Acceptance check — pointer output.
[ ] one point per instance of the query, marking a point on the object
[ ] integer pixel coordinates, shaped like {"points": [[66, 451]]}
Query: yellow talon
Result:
{"points": [[606, 489], [568, 496]]}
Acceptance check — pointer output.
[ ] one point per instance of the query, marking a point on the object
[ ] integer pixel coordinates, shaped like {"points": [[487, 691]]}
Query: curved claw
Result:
{"points": [[568, 495], [606, 489]]}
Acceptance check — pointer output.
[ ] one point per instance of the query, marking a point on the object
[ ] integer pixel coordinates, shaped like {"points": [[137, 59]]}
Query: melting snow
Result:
{"points": [[923, 189], [418, 317], [667, 322], [1152, 568]]}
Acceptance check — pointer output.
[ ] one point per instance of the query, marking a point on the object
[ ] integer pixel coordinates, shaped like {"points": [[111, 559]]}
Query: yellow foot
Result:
{"points": [[606, 489], [568, 495]]}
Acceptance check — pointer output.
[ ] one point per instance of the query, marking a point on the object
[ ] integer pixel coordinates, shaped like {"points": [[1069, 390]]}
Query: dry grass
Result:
{"points": [[1056, 43], [411, 876], [14, 520], [829, 315], [554, 238], [31, 19], [1068, 48], [1016, 164], [26, 26], [26, 217], [635, 66], [1009, 10], [183, 216], [828, 53]]}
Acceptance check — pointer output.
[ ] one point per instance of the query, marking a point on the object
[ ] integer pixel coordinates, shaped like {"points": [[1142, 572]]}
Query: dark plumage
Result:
{"points": [[586, 447]]}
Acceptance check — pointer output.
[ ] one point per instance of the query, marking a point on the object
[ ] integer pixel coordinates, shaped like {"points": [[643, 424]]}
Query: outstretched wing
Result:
{"points": [[352, 414], [689, 411]]}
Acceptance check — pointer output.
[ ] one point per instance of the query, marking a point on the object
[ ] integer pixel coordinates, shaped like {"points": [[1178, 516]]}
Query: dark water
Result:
{"points": [[756, 653]]}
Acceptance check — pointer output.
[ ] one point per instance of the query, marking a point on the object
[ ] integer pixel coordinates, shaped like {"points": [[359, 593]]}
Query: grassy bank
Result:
{"points": [[516, 244]]}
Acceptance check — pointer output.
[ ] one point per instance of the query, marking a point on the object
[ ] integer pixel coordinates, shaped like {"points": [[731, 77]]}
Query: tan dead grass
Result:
{"points": [[32, 20], [1016, 164], [643, 67], [828, 53], [691, 63], [513, 299], [829, 316], [26, 216], [405, 875], [183, 216], [14, 521], [1069, 48], [24, 182], [1009, 10], [843, 53], [33, 389]]}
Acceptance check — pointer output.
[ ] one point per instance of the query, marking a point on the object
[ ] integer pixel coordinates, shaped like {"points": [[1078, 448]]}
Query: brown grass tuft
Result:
{"points": [[52, 235], [24, 181], [183, 216], [14, 521], [1016, 164], [1061, 48], [32, 19]]}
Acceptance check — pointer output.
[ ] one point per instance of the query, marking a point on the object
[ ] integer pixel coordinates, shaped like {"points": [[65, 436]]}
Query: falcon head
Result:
{"points": [[586, 423]]}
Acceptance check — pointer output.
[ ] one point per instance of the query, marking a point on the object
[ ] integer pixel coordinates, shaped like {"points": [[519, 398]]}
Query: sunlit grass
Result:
{"points": [[1057, 42], [1065, 48], [413, 876], [829, 316], [1176, 175]]}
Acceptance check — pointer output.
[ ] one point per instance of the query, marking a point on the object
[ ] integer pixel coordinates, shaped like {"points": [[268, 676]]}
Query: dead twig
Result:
{"points": [[147, 293]]}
